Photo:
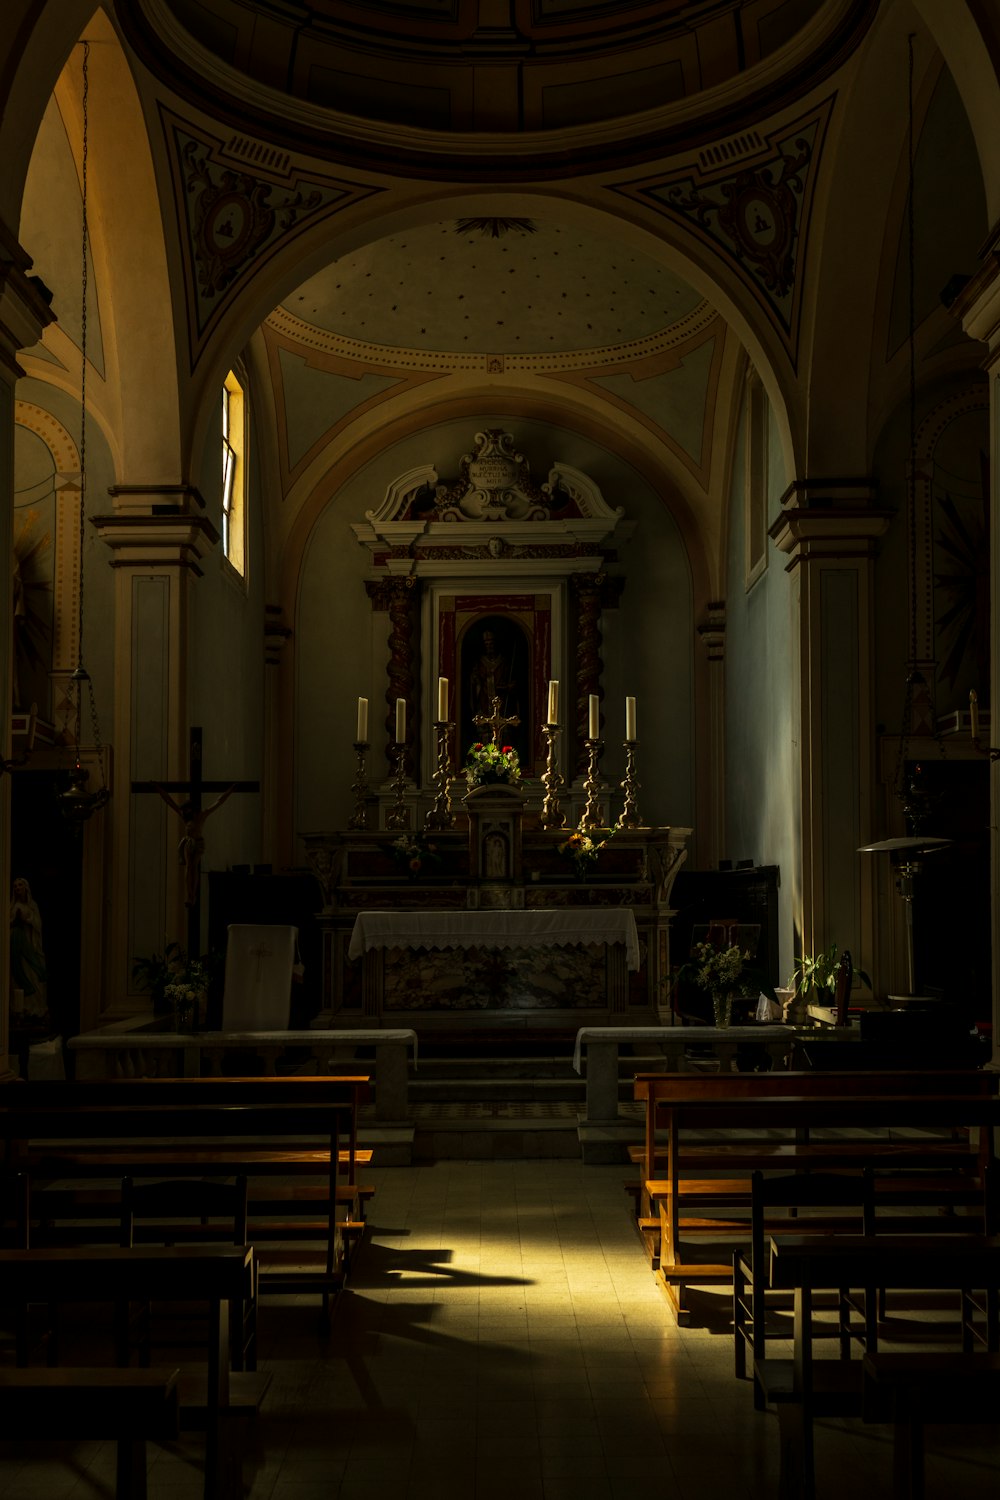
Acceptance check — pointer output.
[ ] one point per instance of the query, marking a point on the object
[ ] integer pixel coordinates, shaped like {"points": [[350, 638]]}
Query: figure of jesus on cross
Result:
{"points": [[194, 816]]}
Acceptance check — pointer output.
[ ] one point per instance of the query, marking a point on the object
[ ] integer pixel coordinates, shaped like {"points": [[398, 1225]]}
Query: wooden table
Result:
{"points": [[216, 1274], [805, 1265]]}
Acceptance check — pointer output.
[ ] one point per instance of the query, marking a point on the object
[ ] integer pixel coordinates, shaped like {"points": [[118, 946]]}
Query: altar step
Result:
{"points": [[490, 1107]]}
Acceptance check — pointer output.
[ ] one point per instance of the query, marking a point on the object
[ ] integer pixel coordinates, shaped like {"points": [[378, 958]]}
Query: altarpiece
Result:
{"points": [[497, 584]]}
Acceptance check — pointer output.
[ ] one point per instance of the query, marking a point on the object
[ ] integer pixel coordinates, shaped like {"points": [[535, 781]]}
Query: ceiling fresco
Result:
{"points": [[543, 290]]}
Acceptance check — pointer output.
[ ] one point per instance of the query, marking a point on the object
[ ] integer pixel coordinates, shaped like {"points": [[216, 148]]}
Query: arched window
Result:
{"points": [[234, 433]]}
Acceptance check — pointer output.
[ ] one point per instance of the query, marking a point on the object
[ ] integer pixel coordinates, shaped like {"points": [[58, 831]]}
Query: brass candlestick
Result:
{"points": [[630, 811], [441, 815], [591, 817], [399, 814], [552, 815], [359, 786]]}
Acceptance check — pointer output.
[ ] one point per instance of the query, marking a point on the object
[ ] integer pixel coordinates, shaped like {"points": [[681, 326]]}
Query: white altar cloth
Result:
{"points": [[496, 929]]}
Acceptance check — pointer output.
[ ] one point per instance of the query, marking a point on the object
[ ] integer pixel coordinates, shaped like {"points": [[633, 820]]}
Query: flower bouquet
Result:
{"points": [[583, 848], [723, 973], [415, 853], [492, 763], [186, 992]]}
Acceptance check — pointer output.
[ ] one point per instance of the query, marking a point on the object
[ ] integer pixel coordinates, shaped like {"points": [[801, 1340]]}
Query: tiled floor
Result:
{"points": [[504, 1337]]}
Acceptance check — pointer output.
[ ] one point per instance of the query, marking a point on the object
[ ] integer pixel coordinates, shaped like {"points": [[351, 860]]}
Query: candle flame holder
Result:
{"points": [[398, 815], [552, 815], [630, 785], [441, 815], [359, 786], [590, 818]]}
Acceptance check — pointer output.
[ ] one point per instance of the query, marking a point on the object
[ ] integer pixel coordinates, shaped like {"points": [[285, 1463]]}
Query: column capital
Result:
{"points": [[157, 499], [24, 305], [832, 519], [385, 592], [977, 304], [171, 540], [712, 630]]}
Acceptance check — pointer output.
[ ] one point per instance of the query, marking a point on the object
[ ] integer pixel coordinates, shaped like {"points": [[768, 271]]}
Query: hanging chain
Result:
{"points": [[910, 477], [83, 352], [83, 680]]}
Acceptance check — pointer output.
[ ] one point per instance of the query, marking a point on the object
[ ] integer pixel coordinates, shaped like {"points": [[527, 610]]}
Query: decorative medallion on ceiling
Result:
{"points": [[757, 215], [495, 229], [234, 218]]}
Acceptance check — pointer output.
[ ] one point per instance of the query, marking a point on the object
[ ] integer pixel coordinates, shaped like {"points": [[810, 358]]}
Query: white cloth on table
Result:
{"points": [[496, 929], [258, 989]]}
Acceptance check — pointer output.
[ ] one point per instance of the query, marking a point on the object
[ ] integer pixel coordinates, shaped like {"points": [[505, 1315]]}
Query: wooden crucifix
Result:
{"points": [[496, 720], [194, 816]]}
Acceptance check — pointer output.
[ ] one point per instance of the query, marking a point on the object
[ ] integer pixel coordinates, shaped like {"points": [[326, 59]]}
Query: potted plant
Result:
{"points": [[814, 979]]}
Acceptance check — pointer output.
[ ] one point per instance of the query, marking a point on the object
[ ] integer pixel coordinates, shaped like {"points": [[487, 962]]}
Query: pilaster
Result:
{"points": [[711, 785], [978, 308], [159, 540], [828, 530], [24, 313]]}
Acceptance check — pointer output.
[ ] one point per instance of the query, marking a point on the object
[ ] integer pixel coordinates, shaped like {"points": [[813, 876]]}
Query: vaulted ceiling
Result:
{"points": [[634, 78]]}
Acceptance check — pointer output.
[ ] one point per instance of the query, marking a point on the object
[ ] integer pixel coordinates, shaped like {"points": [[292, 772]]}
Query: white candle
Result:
{"points": [[553, 702], [362, 721], [630, 718], [595, 717], [442, 700], [400, 720]]}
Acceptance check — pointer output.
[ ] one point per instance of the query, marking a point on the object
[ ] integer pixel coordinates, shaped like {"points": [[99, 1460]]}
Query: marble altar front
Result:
{"points": [[594, 950]]}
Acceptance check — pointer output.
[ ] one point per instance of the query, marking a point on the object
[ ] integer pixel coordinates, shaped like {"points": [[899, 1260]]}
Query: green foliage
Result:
{"points": [[417, 854], [492, 763], [723, 971], [170, 975], [814, 972], [583, 848]]}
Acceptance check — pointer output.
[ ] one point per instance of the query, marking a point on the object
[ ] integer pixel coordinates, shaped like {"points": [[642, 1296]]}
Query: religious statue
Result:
{"points": [[192, 845], [490, 677], [27, 958]]}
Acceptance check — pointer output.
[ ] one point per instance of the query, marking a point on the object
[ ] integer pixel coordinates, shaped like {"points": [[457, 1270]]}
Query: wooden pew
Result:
{"points": [[107, 1274], [299, 1129], [130, 1406], [804, 1388], [914, 1389], [921, 1173]]}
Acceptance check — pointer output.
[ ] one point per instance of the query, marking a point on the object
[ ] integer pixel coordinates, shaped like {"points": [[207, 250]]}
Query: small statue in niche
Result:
{"points": [[495, 857], [28, 973]]}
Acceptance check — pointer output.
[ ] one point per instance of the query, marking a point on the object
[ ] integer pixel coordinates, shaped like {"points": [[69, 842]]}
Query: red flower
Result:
{"points": [[506, 749]]}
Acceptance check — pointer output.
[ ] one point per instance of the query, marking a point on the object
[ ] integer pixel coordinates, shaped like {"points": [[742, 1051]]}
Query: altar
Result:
{"points": [[497, 961], [543, 949], [484, 805]]}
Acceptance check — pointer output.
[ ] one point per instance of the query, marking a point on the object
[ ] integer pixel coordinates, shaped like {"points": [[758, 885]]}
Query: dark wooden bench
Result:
{"points": [[218, 1275], [130, 1406], [302, 1130], [771, 1123], [914, 1390], [804, 1388]]}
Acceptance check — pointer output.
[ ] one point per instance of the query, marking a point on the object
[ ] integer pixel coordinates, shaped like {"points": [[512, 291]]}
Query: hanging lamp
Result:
{"points": [[75, 800]]}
